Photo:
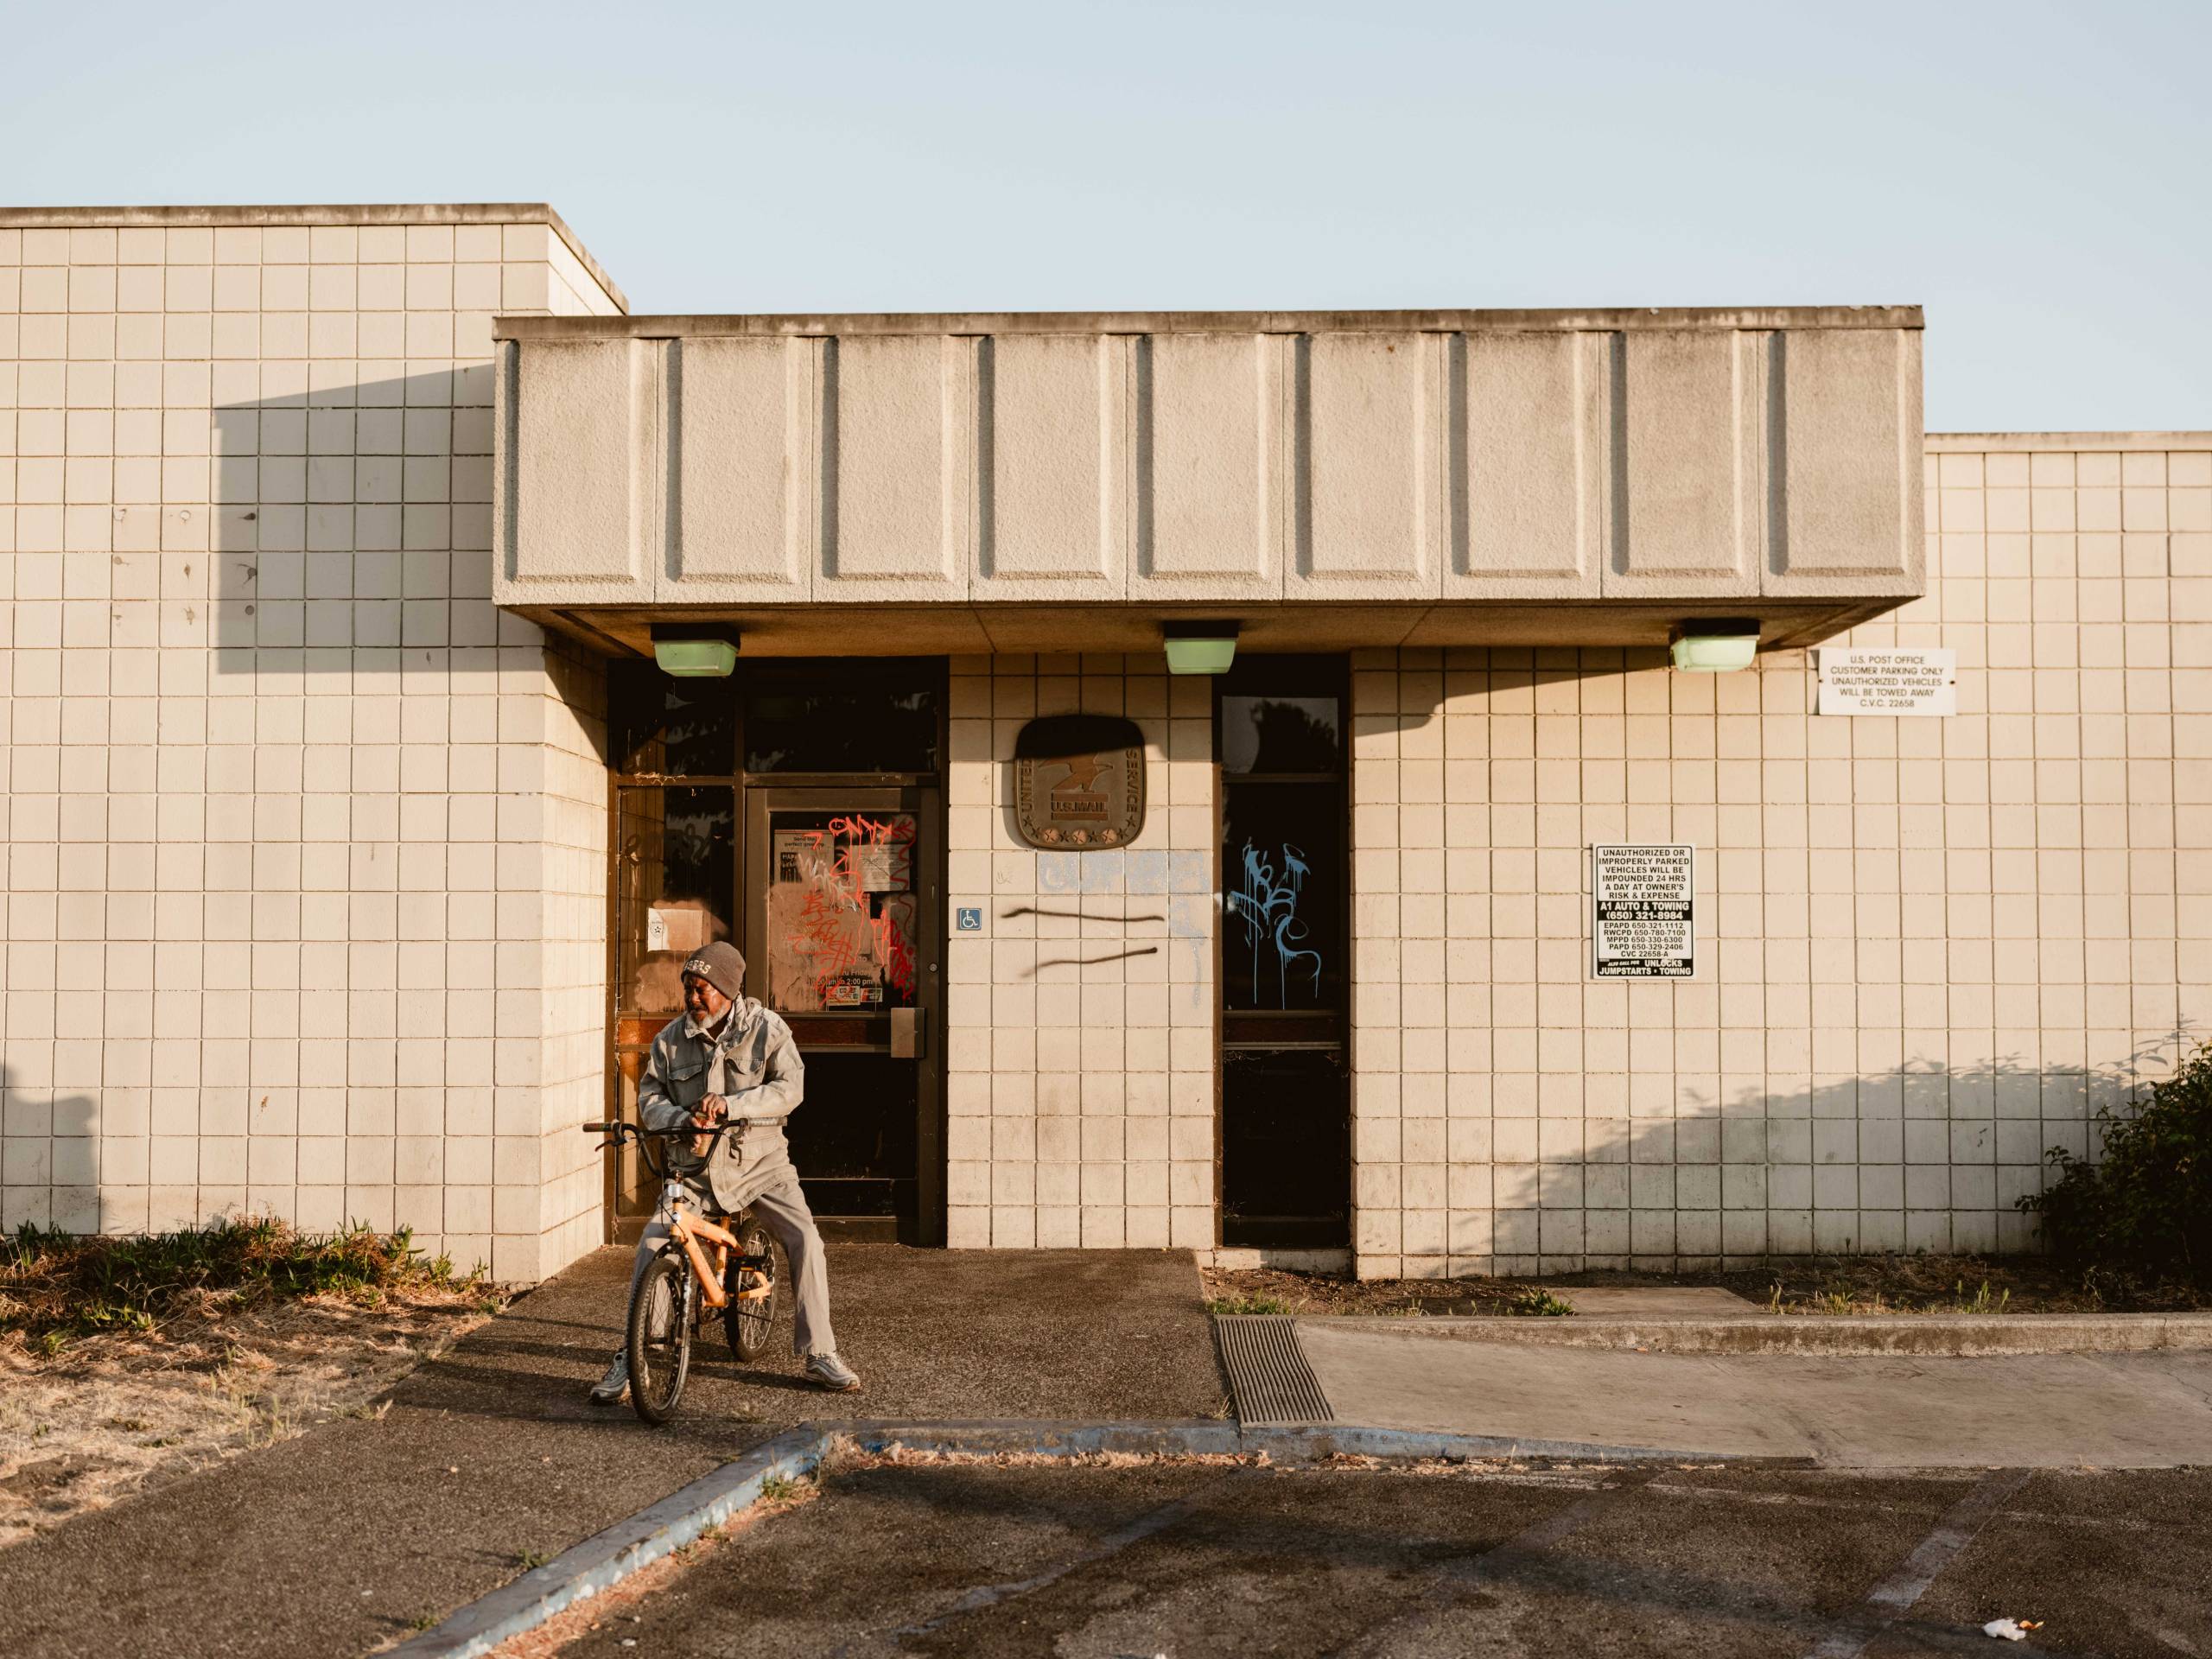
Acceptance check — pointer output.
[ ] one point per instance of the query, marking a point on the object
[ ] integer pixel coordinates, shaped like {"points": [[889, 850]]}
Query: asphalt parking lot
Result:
{"points": [[1182, 1560], [350, 1536]]}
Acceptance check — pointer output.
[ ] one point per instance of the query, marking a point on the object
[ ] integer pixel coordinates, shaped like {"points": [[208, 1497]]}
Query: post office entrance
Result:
{"points": [[797, 810]]}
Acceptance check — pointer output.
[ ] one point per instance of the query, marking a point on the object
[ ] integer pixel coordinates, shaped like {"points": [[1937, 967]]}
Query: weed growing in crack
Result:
{"points": [[1259, 1304], [1539, 1303]]}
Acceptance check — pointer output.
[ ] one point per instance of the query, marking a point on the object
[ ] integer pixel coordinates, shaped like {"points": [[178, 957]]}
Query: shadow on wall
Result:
{"points": [[353, 517], [351, 535], [1929, 1158], [50, 1152]]}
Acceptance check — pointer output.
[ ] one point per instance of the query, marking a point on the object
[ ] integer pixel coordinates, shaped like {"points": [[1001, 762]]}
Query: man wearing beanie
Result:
{"points": [[729, 1057]]}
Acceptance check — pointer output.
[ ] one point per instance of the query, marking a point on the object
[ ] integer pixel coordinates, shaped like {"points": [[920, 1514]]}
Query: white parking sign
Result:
{"points": [[1642, 923]]}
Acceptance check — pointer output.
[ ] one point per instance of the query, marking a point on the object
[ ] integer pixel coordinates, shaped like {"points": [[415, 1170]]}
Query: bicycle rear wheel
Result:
{"points": [[746, 1321], [660, 1335]]}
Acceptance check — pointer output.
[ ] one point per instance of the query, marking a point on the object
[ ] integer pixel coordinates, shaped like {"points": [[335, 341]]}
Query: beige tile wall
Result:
{"points": [[305, 841], [1930, 949], [302, 842], [1081, 1097]]}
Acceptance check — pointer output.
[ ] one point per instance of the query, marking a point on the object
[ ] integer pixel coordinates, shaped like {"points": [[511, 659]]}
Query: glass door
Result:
{"points": [[675, 890], [842, 922], [671, 878], [1286, 1095]]}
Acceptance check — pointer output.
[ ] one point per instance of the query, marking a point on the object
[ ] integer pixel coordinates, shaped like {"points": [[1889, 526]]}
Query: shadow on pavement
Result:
{"points": [[360, 1528]]}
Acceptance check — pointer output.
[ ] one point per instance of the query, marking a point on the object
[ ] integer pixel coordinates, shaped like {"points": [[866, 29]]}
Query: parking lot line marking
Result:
{"points": [[1554, 1528], [609, 1556], [1894, 1596], [1145, 1526], [1530, 1541]]}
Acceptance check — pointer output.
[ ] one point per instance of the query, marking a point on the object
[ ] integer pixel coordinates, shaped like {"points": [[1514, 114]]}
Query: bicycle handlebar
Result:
{"points": [[641, 1134]]}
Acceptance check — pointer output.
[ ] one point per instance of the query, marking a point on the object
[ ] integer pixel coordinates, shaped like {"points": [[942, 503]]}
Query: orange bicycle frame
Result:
{"points": [[692, 1229]]}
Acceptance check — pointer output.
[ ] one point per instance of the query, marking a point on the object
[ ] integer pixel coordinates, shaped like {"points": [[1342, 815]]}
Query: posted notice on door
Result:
{"points": [[1642, 922]]}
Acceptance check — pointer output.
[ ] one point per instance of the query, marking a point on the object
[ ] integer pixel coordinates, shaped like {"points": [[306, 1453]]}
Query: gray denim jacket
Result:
{"points": [[754, 1063]]}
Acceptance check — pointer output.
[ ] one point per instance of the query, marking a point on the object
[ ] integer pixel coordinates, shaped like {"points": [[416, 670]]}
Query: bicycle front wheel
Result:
{"points": [[660, 1336]]}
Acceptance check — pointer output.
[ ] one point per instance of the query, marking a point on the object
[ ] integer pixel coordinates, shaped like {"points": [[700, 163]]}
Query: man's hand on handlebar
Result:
{"points": [[710, 1120], [708, 1116]]}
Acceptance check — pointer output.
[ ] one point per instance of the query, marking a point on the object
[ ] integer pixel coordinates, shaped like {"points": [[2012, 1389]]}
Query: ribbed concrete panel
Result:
{"points": [[1680, 458], [1056, 468], [1527, 494], [900, 458], [1850, 458], [1688, 424], [743, 470], [1368, 489], [583, 521], [1211, 492]]}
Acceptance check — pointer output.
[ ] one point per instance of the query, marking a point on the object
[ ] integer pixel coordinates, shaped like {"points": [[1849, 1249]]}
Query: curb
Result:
{"points": [[1297, 1444], [604, 1560], [1928, 1335]]}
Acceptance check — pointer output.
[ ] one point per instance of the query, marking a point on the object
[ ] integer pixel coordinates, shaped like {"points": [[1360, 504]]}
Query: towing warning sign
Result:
{"points": [[1642, 912]]}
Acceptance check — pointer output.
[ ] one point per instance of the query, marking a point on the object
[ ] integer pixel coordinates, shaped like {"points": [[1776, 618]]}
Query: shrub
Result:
{"points": [[2143, 1211], [58, 1285]]}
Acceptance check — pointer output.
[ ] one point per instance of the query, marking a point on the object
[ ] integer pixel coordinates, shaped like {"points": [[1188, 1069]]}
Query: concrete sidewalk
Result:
{"points": [[361, 1530], [2111, 1410]]}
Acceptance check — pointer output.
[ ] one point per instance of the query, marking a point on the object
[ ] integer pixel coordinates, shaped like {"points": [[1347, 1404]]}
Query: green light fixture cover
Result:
{"points": [[692, 650], [1716, 645], [1199, 647]]}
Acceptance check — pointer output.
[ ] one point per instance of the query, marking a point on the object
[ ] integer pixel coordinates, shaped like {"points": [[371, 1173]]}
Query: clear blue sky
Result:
{"points": [[2039, 176]]}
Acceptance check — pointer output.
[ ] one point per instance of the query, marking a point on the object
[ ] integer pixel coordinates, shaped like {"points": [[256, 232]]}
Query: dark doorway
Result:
{"points": [[1281, 740], [795, 808]]}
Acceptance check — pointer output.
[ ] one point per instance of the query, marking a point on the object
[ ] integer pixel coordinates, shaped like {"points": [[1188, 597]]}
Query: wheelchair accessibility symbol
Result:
{"points": [[969, 919]]}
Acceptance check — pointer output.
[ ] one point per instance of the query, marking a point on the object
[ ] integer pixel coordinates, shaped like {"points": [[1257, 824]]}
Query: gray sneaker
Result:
{"points": [[828, 1371], [610, 1388]]}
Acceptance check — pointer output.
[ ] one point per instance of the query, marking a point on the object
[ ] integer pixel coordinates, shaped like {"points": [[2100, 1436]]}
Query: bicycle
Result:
{"points": [[679, 1288]]}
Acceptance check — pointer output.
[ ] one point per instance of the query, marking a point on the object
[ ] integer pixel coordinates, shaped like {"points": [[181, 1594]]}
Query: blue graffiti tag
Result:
{"points": [[1270, 909]]}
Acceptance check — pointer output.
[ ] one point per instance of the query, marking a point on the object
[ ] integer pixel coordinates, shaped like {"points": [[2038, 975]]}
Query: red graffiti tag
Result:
{"points": [[834, 868]]}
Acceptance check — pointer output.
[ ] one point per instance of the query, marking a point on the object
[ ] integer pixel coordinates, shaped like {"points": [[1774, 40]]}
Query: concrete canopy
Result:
{"points": [[1023, 482]]}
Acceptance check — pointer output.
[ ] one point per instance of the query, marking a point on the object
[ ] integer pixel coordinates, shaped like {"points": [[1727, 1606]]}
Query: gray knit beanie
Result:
{"points": [[720, 965]]}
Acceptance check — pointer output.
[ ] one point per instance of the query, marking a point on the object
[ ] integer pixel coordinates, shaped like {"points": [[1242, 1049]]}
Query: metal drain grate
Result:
{"points": [[1274, 1386]]}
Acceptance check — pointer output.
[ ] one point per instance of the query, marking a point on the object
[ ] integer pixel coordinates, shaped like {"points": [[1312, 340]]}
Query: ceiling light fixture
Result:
{"points": [[695, 651], [1199, 647], [1716, 645]]}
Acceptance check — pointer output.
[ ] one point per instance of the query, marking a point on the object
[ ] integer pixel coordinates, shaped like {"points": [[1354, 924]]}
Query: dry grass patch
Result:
{"points": [[127, 1361]]}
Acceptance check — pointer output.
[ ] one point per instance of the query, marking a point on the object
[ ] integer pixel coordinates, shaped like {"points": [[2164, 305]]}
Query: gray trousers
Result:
{"points": [[783, 1212]]}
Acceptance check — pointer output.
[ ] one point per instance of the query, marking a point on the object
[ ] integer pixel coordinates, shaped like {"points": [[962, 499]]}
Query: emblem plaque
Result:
{"points": [[1078, 782]]}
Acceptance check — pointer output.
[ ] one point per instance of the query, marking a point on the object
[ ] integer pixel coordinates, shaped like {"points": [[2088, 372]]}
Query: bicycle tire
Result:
{"points": [[747, 1324], [660, 1336]]}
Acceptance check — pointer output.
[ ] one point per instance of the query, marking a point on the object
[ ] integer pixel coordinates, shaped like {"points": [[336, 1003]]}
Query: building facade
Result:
{"points": [[354, 830]]}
